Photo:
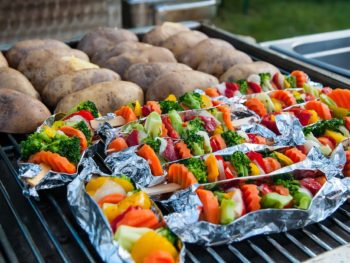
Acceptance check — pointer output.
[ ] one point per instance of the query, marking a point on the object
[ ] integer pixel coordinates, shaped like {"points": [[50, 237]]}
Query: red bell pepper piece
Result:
{"points": [[311, 184], [121, 216], [133, 138], [171, 131], [87, 115], [275, 80], [256, 88], [258, 158]]}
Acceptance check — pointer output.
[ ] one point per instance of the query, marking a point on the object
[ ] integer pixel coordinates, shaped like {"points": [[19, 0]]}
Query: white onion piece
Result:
{"points": [[254, 78], [162, 147], [305, 191], [107, 188], [243, 134], [206, 138], [221, 168], [221, 88], [238, 200]]}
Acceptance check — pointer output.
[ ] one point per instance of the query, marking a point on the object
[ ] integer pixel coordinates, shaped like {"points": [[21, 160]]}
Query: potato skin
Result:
{"points": [[15, 80], [108, 96], [103, 38], [217, 64], [178, 83], [243, 71], [20, 113], [181, 42], [143, 74], [161, 33], [102, 56], [74, 81], [194, 56], [21, 49], [3, 61], [121, 63]]}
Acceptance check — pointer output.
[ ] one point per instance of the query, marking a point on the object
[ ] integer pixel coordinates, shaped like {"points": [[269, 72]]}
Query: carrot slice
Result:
{"points": [[295, 155], [280, 189], [57, 162], [301, 77], [70, 132], [179, 174], [148, 153], [164, 131], [321, 109], [117, 145], [219, 141], [257, 106], [346, 169], [114, 198], [211, 210], [139, 218], [260, 140], [326, 141], [154, 105], [212, 92], [127, 113], [159, 256], [216, 102], [251, 197], [285, 96], [341, 97], [271, 164], [182, 150], [226, 115], [347, 122]]}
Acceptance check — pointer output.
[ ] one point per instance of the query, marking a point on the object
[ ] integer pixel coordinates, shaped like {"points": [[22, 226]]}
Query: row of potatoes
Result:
{"points": [[112, 68]]}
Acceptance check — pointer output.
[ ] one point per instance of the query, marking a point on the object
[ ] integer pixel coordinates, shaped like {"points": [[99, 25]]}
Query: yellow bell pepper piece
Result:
{"points": [[277, 104], [206, 101], [137, 109], [171, 97], [273, 118], [297, 95], [218, 130], [283, 159], [127, 185], [151, 242], [338, 137], [314, 117], [49, 131], [212, 168], [286, 84], [140, 199], [254, 170], [96, 183], [57, 124]]}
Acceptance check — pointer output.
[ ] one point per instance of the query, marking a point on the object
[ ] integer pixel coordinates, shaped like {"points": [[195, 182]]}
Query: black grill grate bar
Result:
{"points": [[260, 252], [238, 254], [215, 255], [341, 224], [344, 211], [317, 240], [192, 257], [332, 234], [301, 246], [6, 246], [36, 210], [282, 250], [71, 229], [33, 247]]}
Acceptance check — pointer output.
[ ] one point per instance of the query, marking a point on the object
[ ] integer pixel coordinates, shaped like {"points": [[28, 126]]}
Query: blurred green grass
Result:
{"points": [[276, 19]]}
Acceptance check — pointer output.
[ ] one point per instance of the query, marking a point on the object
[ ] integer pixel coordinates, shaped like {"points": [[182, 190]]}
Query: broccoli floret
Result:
{"points": [[300, 101], [264, 77], [195, 143], [126, 178], [232, 138], [84, 128], [241, 163], [198, 168], [167, 106], [165, 232], [243, 86], [192, 100], [193, 126], [34, 143], [86, 105], [154, 143], [319, 128], [292, 81], [289, 182]]}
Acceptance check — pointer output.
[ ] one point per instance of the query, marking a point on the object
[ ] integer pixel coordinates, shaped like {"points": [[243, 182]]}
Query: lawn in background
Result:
{"points": [[276, 19]]}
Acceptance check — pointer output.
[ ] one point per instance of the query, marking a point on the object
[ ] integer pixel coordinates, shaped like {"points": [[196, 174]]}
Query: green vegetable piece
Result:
{"points": [[232, 138], [227, 211], [192, 100], [167, 106], [319, 128], [198, 168], [241, 163], [274, 200], [153, 125], [302, 200], [154, 143], [176, 121], [165, 232], [85, 105], [195, 143], [292, 81], [243, 86], [311, 90], [85, 129], [292, 185], [126, 236]]}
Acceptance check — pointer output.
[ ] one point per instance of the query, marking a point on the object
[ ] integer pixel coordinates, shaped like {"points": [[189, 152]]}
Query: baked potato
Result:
{"points": [[74, 81], [15, 80], [194, 55], [181, 42], [243, 71], [108, 96], [3, 61], [56, 66], [178, 83], [161, 33], [103, 38], [143, 74], [21, 49], [127, 46], [20, 113], [121, 63], [217, 64]]}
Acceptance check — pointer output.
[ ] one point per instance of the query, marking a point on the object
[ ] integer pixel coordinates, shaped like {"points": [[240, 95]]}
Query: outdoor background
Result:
{"points": [[275, 19]]}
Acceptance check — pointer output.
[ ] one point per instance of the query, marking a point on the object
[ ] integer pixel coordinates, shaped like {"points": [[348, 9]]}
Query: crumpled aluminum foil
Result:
{"points": [[91, 219], [184, 220]]}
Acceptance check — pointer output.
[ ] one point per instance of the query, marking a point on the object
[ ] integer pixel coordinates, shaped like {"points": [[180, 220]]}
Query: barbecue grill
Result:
{"points": [[45, 231]]}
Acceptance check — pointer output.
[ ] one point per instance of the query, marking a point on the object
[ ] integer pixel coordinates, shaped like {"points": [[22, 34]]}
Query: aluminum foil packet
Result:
{"points": [[91, 219], [184, 217]]}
